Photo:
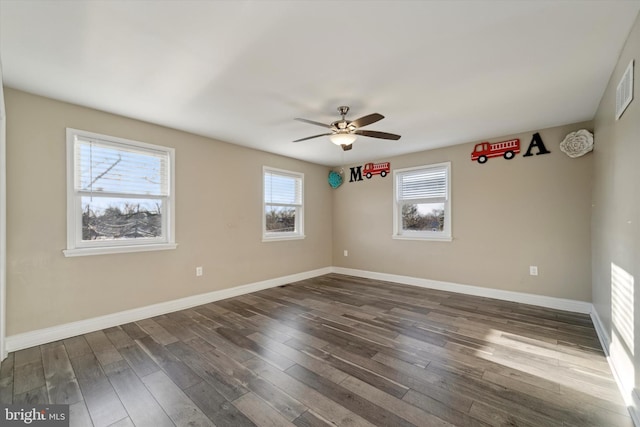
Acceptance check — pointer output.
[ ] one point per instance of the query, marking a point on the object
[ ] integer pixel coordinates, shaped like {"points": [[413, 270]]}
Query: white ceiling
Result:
{"points": [[442, 72]]}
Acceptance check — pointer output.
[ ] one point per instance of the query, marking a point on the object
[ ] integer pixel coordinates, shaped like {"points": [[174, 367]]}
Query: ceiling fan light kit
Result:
{"points": [[345, 132], [343, 138]]}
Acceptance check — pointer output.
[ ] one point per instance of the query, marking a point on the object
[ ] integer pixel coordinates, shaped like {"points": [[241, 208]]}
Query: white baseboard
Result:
{"points": [[602, 333], [54, 333], [67, 330], [524, 298], [632, 400]]}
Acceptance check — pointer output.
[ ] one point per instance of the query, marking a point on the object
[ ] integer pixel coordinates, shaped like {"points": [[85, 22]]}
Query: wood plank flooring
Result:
{"points": [[333, 350]]}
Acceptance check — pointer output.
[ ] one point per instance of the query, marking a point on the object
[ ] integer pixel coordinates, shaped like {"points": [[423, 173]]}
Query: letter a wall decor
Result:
{"points": [[536, 142]]}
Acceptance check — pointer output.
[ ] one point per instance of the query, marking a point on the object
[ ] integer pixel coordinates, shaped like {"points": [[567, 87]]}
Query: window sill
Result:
{"points": [[425, 238], [282, 238], [118, 249]]}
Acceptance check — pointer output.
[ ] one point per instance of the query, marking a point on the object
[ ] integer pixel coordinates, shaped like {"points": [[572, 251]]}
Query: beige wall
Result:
{"points": [[218, 220], [615, 226], [507, 215]]}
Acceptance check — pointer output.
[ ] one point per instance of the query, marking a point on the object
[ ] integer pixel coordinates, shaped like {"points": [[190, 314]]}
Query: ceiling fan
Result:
{"points": [[344, 132]]}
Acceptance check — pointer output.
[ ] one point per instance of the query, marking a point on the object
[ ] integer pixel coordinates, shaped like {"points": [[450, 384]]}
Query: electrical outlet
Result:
{"points": [[199, 271], [533, 270], [346, 252]]}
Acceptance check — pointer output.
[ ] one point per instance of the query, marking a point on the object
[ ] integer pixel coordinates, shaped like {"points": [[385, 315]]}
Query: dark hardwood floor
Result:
{"points": [[333, 350]]}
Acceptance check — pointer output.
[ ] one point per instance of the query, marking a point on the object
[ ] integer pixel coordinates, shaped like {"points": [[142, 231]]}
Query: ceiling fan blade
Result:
{"points": [[311, 137], [376, 134], [367, 120], [311, 122]]}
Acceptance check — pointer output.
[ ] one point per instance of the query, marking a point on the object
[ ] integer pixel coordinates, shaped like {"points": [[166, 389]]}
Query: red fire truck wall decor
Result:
{"points": [[507, 149], [369, 170]]}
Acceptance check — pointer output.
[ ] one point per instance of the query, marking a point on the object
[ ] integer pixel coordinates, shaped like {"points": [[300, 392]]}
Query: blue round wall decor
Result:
{"points": [[335, 179]]}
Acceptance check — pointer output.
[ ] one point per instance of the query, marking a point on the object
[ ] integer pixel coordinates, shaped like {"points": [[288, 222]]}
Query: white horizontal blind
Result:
{"points": [[282, 189], [120, 169], [422, 184]]}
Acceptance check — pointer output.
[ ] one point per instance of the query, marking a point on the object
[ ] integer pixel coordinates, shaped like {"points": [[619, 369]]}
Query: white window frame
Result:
{"points": [[299, 224], [398, 233], [75, 245]]}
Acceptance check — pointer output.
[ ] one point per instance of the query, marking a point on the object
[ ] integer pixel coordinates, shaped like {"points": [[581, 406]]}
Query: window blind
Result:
{"points": [[423, 184], [116, 168], [280, 188]]}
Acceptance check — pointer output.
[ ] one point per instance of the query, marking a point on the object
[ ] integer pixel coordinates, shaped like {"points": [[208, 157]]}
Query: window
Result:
{"points": [[422, 203], [283, 216], [120, 195]]}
